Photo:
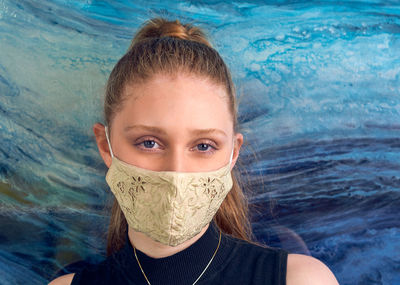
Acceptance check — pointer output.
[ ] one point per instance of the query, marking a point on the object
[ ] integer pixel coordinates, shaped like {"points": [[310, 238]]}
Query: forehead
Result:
{"points": [[176, 103], [174, 84]]}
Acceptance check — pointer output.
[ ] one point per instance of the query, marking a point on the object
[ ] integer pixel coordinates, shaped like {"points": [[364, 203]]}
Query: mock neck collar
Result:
{"points": [[180, 268]]}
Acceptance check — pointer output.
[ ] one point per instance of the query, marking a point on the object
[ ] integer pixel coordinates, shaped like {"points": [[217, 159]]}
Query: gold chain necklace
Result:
{"points": [[148, 282]]}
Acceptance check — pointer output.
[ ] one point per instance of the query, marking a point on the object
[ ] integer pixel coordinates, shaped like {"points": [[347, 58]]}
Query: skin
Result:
{"points": [[176, 107]]}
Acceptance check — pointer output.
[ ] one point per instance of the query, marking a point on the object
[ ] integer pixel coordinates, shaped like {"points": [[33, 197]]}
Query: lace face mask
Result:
{"points": [[170, 207]]}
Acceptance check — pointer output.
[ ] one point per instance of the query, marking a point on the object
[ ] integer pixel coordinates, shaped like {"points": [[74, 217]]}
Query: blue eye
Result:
{"points": [[204, 146], [149, 144]]}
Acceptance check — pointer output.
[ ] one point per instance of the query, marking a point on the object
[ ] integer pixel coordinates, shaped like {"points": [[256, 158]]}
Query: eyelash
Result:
{"points": [[212, 148], [211, 145]]}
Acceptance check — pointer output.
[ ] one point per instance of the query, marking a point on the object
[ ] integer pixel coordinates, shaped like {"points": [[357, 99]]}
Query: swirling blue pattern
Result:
{"points": [[319, 90]]}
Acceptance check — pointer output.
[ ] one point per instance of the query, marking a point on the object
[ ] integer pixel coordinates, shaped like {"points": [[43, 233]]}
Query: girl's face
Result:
{"points": [[169, 123]]}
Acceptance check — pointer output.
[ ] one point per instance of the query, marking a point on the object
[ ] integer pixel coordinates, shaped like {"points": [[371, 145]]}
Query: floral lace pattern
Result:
{"points": [[137, 183], [170, 207]]}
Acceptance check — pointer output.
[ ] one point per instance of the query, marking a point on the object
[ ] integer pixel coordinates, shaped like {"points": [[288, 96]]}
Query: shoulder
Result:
{"points": [[63, 280], [303, 269]]}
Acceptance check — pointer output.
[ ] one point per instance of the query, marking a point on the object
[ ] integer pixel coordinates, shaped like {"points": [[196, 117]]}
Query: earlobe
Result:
{"points": [[102, 145]]}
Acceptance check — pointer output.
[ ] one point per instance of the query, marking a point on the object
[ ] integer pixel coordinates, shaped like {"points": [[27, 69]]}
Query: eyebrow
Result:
{"points": [[197, 132], [200, 132], [146, 128]]}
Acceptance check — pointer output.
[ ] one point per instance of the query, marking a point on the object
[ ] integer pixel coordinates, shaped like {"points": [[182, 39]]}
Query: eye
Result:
{"points": [[148, 144], [203, 146], [206, 147]]}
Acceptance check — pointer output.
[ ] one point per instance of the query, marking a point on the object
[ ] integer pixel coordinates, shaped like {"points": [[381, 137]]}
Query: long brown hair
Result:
{"points": [[170, 47]]}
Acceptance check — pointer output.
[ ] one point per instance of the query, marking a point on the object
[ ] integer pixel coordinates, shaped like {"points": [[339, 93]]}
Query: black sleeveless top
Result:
{"points": [[236, 262]]}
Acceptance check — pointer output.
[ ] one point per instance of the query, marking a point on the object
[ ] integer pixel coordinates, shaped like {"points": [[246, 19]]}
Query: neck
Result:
{"points": [[158, 250]]}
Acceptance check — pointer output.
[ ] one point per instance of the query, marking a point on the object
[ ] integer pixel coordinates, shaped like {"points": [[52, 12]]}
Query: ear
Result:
{"points": [[102, 145], [238, 144]]}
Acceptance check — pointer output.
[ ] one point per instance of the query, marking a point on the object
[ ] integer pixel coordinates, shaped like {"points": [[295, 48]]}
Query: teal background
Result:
{"points": [[318, 85]]}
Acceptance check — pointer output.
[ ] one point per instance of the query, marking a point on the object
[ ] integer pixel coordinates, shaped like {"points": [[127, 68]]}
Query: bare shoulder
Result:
{"points": [[63, 280], [303, 269]]}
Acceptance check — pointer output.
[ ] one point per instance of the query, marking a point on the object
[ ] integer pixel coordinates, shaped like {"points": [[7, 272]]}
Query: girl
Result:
{"points": [[170, 142]]}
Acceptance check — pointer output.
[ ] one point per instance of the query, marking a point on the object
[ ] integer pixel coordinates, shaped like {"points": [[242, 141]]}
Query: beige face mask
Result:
{"points": [[170, 207]]}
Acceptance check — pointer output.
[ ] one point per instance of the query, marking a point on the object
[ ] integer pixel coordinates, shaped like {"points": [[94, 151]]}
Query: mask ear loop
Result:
{"points": [[230, 159], [108, 141]]}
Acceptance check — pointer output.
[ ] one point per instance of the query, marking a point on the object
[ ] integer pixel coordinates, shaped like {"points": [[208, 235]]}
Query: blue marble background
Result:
{"points": [[318, 83]]}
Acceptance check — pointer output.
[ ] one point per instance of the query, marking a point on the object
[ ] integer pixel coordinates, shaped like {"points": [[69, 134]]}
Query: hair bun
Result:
{"points": [[160, 27]]}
